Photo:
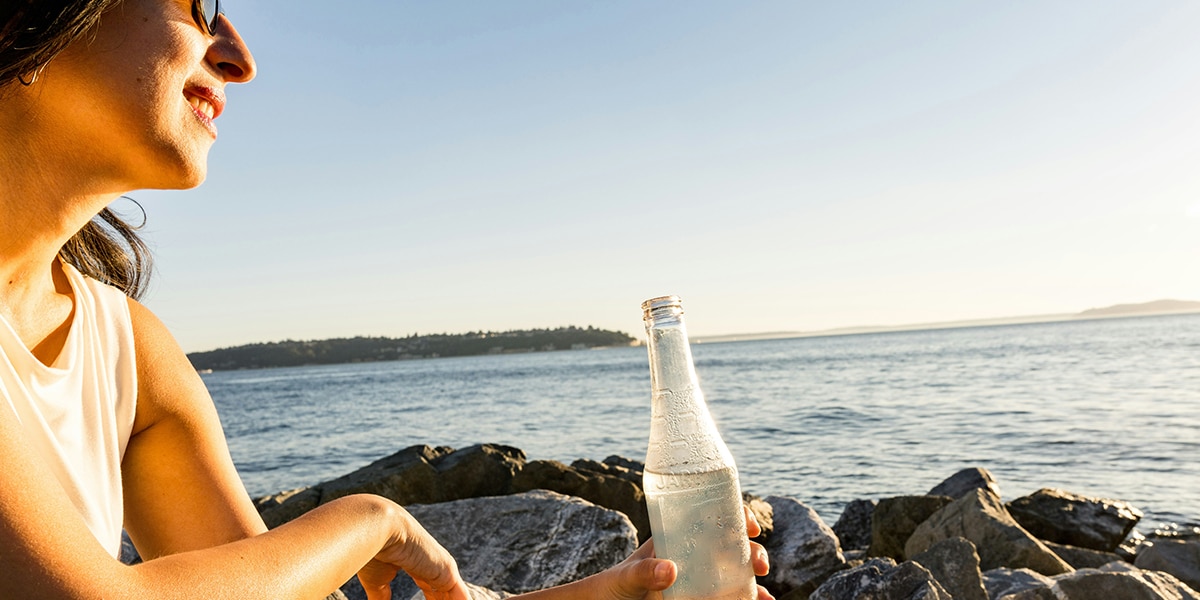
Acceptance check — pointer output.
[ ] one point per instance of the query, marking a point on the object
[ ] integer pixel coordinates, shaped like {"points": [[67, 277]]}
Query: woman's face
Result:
{"points": [[136, 102]]}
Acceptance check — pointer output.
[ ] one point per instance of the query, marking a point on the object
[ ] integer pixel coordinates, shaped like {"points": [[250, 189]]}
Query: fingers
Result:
{"points": [[763, 594], [650, 574], [641, 573], [752, 527], [758, 558]]}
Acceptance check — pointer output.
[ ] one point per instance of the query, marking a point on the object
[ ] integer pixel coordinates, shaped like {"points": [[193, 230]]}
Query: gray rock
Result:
{"points": [[1002, 582], [1175, 531], [129, 554], [415, 475], [895, 519], [1180, 558], [1033, 594], [1092, 584], [763, 513], [1134, 543], [853, 528], [523, 542], [280, 508], [610, 491], [1065, 518], [625, 468], [803, 550], [955, 565], [980, 517], [1082, 558], [882, 579], [962, 482]]}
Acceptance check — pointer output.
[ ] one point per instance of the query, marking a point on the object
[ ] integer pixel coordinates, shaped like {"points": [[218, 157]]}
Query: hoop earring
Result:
{"points": [[33, 79]]}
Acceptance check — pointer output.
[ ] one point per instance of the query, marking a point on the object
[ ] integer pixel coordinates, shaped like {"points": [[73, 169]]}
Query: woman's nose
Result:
{"points": [[230, 55]]}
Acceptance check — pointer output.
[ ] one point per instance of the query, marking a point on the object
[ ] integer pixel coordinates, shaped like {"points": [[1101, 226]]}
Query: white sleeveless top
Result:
{"points": [[78, 413]]}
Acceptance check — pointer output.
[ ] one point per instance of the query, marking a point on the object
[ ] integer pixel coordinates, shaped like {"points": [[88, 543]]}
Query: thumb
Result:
{"points": [[646, 575]]}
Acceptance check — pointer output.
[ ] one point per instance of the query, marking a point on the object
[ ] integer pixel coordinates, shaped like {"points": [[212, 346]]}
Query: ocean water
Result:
{"points": [[1105, 408]]}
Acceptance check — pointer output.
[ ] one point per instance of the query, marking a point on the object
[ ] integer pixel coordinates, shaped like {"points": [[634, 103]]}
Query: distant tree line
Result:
{"points": [[291, 353]]}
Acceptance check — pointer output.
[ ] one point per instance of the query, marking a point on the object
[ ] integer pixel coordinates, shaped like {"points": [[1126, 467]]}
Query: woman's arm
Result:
{"points": [[192, 517]]}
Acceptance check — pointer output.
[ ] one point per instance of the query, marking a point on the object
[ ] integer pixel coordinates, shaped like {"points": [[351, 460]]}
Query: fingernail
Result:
{"points": [[662, 571]]}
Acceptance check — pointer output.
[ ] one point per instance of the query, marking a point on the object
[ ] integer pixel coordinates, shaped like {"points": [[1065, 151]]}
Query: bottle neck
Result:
{"points": [[670, 356]]}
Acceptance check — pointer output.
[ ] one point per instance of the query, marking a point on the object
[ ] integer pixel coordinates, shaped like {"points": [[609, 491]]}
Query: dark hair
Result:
{"points": [[32, 33]]}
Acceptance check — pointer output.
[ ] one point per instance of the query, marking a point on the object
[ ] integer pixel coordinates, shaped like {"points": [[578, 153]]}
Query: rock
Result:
{"points": [[523, 542], [763, 513], [1065, 518], [955, 565], [129, 555], [962, 482], [894, 520], [415, 475], [283, 507], [1092, 584], [853, 528], [1002, 582], [1134, 543], [1082, 558], [1175, 531], [882, 579], [625, 468], [1180, 558], [1040, 593], [802, 549], [980, 517], [609, 491]]}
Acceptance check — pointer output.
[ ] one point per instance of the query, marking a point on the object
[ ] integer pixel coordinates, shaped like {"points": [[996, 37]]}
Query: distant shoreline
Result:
{"points": [[1088, 315]]}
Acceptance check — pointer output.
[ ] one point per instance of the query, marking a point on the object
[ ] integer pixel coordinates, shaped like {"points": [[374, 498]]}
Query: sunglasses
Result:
{"points": [[206, 12]]}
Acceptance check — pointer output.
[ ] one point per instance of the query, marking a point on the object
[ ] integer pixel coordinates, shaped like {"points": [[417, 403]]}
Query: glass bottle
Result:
{"points": [[691, 482]]}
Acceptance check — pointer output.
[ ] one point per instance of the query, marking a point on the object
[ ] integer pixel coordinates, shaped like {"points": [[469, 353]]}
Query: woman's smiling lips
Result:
{"points": [[206, 102]]}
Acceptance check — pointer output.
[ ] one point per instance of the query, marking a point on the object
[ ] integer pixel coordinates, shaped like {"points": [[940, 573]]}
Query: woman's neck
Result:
{"points": [[45, 199]]}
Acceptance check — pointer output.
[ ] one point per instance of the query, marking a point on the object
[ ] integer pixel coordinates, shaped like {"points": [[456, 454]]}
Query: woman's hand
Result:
{"points": [[415, 552], [643, 577]]}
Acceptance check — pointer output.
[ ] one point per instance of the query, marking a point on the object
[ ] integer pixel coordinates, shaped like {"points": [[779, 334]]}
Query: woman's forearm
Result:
{"points": [[306, 558]]}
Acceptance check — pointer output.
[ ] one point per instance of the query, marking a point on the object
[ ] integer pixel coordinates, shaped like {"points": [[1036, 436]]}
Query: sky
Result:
{"points": [[404, 167]]}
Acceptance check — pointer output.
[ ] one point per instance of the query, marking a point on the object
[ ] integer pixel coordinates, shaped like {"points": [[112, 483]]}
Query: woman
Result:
{"points": [[103, 422]]}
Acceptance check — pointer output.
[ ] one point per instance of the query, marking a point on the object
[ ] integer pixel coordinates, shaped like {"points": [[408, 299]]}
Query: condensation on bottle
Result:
{"points": [[691, 482]]}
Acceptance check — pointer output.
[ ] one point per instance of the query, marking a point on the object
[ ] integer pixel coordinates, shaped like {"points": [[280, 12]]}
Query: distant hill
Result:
{"points": [[1157, 307], [291, 353], [1145, 308]]}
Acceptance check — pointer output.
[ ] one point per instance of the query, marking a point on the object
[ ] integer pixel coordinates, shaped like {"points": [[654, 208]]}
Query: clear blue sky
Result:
{"points": [[402, 167]]}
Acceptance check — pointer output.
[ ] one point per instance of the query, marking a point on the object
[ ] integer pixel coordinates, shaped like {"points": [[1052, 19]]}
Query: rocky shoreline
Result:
{"points": [[517, 525]]}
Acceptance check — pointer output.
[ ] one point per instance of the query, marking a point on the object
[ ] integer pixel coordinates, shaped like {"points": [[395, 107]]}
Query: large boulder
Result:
{"points": [[803, 550], [853, 528], [882, 579], [601, 488], [618, 466], [955, 564], [895, 519], [1082, 558], [1121, 584], [1003, 583], [523, 542], [1065, 518], [980, 517], [415, 475], [1180, 558], [959, 484]]}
